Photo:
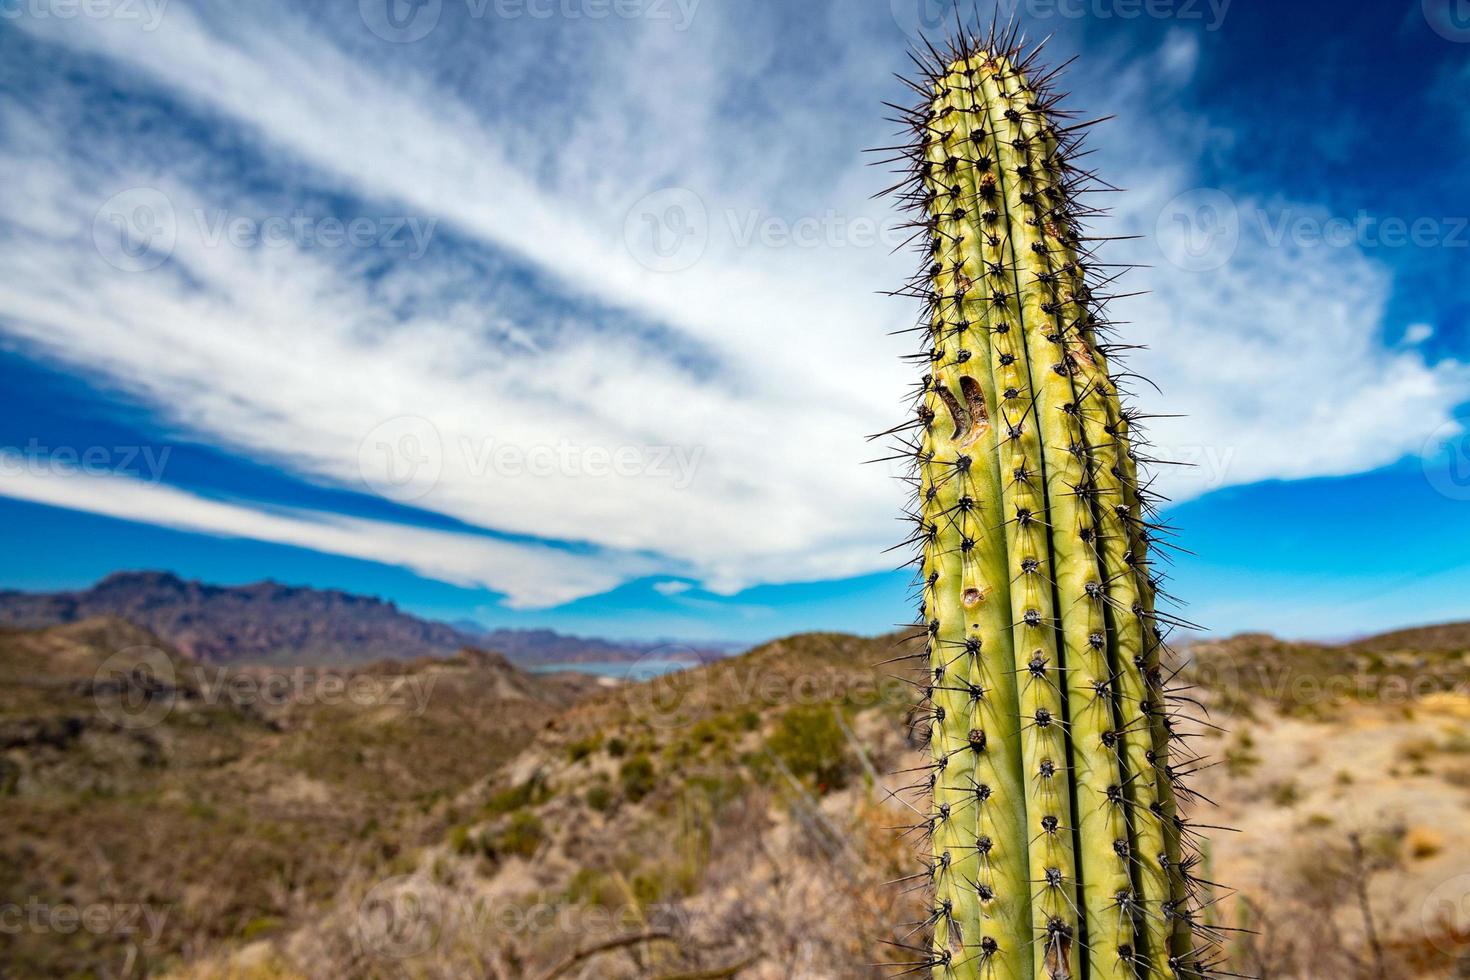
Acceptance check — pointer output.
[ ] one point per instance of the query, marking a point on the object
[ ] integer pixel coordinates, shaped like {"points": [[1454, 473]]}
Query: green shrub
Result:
{"points": [[757, 765], [460, 841], [262, 925], [639, 777], [706, 731], [1286, 794], [1457, 744], [532, 792], [523, 837], [812, 745], [1240, 760], [600, 798], [592, 887], [582, 748]]}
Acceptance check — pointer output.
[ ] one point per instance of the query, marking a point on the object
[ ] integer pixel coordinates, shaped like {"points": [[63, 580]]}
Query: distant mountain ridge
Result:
{"points": [[551, 647], [268, 622]]}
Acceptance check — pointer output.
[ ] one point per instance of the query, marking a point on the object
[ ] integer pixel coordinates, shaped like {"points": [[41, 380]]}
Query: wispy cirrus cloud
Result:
{"points": [[529, 575], [532, 324]]}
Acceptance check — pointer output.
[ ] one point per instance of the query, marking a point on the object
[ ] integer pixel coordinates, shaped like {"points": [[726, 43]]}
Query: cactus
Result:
{"points": [[1055, 844]]}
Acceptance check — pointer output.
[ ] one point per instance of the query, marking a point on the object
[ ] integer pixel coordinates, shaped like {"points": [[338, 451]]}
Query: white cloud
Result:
{"points": [[774, 361], [530, 575], [1179, 55], [1418, 333], [672, 588], [1275, 362], [1271, 365]]}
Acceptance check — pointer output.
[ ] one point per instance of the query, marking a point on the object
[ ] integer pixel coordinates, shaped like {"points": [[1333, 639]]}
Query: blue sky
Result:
{"points": [[565, 312]]}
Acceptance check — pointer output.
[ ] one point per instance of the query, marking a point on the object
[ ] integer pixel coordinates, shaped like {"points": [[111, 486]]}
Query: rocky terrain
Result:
{"points": [[736, 820], [1344, 772], [223, 802]]}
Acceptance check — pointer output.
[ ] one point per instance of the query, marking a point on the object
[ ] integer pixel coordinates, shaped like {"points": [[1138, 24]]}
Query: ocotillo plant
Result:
{"points": [[1056, 848]]}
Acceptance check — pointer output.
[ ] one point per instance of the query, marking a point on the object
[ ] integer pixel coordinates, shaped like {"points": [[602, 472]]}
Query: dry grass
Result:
{"points": [[729, 821]]}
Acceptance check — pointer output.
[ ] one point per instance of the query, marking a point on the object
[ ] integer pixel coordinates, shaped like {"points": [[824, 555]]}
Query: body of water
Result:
{"points": [[637, 670]]}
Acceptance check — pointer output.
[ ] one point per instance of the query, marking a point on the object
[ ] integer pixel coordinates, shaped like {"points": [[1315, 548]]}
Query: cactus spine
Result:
{"points": [[1057, 849]]}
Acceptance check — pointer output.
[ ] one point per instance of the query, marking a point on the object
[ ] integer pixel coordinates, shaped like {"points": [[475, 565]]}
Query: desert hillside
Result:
{"points": [[222, 802], [736, 820]]}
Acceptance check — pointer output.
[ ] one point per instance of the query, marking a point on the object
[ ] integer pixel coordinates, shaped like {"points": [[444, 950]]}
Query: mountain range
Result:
{"points": [[271, 623]]}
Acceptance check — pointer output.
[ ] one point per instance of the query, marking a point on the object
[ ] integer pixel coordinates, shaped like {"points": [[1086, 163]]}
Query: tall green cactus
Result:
{"points": [[1057, 846]]}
